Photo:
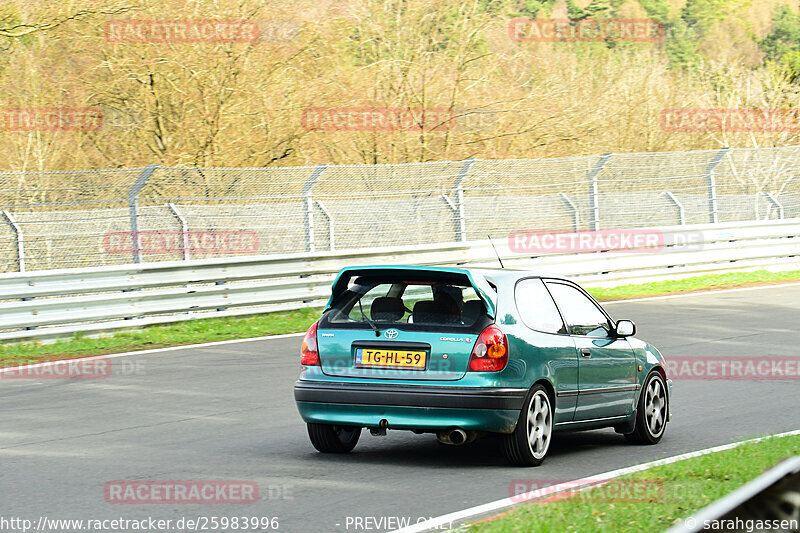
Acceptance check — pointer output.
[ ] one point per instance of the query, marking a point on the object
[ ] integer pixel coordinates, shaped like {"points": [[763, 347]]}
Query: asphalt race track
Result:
{"points": [[227, 412]]}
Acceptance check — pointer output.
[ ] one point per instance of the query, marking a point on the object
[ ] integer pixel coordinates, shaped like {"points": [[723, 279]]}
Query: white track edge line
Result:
{"points": [[499, 505], [153, 350], [289, 335]]}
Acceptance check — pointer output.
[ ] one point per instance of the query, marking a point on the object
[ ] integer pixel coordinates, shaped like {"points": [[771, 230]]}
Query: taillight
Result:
{"points": [[309, 353], [490, 353]]}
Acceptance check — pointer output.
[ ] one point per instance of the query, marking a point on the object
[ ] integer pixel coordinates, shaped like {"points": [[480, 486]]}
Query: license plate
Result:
{"points": [[383, 358]]}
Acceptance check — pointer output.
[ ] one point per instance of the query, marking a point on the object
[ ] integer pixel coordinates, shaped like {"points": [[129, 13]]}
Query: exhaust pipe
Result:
{"points": [[454, 437], [458, 436]]}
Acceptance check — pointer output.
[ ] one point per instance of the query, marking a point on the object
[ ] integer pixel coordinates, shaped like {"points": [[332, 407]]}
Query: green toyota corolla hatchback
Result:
{"points": [[463, 352]]}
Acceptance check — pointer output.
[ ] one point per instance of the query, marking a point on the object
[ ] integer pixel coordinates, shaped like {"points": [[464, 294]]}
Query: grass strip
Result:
{"points": [[695, 284], [176, 334], [652, 500]]}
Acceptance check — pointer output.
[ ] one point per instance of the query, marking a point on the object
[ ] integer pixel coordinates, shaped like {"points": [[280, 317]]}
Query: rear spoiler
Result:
{"points": [[482, 287]]}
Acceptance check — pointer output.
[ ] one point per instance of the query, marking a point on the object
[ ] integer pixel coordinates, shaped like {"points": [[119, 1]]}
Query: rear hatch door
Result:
{"points": [[401, 324]]}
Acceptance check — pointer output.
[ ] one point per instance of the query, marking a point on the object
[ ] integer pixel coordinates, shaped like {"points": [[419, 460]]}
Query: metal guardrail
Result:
{"points": [[58, 303], [772, 498]]}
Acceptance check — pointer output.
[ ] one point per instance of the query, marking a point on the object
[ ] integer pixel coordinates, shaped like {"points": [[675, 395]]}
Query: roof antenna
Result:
{"points": [[495, 251]]}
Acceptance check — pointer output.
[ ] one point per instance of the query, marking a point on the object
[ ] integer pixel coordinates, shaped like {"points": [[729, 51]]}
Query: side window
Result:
{"points": [[536, 307], [580, 313]]}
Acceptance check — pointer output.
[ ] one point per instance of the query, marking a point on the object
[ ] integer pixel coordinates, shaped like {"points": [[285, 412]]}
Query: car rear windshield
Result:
{"points": [[408, 302]]}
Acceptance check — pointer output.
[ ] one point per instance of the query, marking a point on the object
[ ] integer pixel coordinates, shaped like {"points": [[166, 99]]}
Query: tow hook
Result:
{"points": [[379, 431]]}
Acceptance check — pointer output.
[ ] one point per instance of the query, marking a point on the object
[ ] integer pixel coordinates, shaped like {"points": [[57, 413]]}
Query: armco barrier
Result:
{"points": [[57, 303], [770, 502]]}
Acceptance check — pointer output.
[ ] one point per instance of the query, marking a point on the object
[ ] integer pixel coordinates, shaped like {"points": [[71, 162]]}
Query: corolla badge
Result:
{"points": [[391, 333], [456, 339]]}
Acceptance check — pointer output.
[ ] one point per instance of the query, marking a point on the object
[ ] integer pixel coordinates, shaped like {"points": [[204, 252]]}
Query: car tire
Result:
{"points": [[530, 441], [328, 438], [651, 413]]}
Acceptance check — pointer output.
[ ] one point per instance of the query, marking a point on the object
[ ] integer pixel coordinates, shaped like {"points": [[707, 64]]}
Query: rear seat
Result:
{"points": [[434, 312]]}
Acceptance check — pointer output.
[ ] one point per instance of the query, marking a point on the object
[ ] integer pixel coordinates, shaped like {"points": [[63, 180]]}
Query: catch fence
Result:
{"points": [[77, 219]]}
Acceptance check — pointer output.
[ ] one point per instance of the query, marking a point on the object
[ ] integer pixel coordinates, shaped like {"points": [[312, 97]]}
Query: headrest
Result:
{"points": [[387, 309]]}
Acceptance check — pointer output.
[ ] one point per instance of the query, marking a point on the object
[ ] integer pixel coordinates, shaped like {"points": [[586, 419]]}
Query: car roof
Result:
{"points": [[507, 274], [490, 273]]}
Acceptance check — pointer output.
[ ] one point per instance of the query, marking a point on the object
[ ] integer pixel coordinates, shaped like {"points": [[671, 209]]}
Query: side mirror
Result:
{"points": [[625, 328]]}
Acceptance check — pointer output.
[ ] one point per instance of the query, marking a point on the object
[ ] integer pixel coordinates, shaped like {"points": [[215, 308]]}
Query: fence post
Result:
{"points": [[18, 238], [711, 184], [594, 192], [329, 218], [461, 223], [184, 229], [308, 201], [576, 216], [774, 201], [133, 208], [678, 206]]}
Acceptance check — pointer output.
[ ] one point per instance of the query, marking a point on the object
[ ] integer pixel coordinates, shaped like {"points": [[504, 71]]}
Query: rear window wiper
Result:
{"points": [[368, 321]]}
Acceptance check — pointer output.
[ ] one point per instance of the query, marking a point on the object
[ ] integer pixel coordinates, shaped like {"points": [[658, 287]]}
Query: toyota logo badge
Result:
{"points": [[391, 333]]}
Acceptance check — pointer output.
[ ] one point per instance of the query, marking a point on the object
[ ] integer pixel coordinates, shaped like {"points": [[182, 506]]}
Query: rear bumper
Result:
{"points": [[409, 406], [409, 395]]}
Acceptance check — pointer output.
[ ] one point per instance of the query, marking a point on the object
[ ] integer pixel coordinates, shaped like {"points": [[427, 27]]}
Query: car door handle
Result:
{"points": [[586, 352]]}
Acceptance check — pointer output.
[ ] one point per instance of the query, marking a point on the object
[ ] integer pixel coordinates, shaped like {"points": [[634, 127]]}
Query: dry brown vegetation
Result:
{"points": [[240, 104]]}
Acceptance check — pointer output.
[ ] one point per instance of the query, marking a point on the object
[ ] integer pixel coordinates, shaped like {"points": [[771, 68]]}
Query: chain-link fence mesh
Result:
{"points": [[104, 217]]}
